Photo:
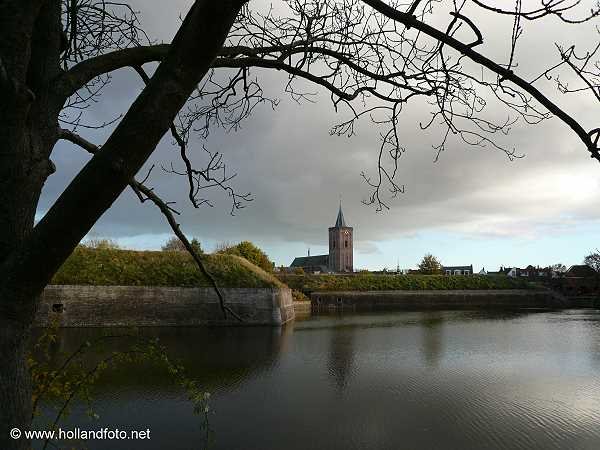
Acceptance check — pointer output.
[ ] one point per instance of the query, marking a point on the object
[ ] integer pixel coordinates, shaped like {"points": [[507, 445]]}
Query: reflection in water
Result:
{"points": [[216, 357], [432, 326], [418, 380], [341, 356]]}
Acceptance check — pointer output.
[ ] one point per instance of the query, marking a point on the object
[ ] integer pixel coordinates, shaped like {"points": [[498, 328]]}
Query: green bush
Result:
{"points": [[251, 252], [112, 267], [298, 296], [371, 282]]}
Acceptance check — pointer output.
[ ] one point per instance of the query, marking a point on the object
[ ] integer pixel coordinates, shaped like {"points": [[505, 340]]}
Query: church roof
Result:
{"points": [[340, 222], [310, 261]]}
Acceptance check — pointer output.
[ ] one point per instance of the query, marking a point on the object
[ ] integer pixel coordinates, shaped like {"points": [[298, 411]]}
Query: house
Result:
{"points": [[581, 271], [513, 272], [528, 272], [458, 270]]}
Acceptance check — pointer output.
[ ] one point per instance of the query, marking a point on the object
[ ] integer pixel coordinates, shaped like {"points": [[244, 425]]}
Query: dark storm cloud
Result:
{"points": [[296, 171]]}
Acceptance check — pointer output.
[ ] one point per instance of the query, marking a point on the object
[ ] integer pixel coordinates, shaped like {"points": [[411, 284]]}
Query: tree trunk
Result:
{"points": [[29, 256], [18, 196], [30, 33], [21, 181], [15, 388]]}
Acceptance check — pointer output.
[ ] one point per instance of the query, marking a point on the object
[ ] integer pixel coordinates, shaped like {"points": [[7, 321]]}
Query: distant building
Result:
{"points": [[581, 271], [341, 254], [512, 272], [539, 272], [529, 272], [312, 264], [341, 251], [458, 270]]}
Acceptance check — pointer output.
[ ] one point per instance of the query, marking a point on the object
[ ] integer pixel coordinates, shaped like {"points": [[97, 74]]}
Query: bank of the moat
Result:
{"points": [[106, 306], [437, 299], [105, 288]]}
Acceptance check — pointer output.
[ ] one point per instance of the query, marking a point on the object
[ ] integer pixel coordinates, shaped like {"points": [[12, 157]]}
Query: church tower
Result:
{"points": [[341, 257]]}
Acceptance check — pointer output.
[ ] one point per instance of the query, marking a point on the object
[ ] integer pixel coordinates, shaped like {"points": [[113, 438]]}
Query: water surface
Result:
{"points": [[395, 380]]}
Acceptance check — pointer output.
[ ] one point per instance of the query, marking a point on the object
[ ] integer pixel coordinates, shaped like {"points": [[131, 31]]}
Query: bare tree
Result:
{"points": [[372, 57], [173, 244], [593, 260]]}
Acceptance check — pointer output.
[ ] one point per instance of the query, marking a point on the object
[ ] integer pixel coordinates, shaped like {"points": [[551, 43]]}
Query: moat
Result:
{"points": [[394, 380]]}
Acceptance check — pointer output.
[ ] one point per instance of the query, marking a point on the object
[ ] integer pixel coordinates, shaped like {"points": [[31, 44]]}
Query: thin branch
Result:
{"points": [[139, 188], [505, 74]]}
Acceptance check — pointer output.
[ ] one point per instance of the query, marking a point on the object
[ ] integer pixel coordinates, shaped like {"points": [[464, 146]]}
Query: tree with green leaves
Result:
{"points": [[430, 265], [251, 252]]}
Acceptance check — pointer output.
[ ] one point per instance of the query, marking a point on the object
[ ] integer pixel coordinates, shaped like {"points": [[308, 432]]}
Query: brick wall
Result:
{"points": [[99, 306], [460, 299]]}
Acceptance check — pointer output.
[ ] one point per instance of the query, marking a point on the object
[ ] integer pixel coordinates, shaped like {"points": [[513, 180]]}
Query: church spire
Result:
{"points": [[340, 222]]}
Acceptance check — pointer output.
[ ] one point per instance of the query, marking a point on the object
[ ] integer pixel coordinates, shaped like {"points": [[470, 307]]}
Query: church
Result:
{"points": [[341, 255]]}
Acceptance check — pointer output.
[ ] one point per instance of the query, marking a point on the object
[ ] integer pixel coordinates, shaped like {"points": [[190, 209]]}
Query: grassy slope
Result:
{"points": [[367, 282], [111, 267]]}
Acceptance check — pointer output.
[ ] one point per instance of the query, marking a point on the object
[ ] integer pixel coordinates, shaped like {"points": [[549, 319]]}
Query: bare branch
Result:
{"points": [[371, 61], [84, 72], [109, 172], [505, 74], [144, 193]]}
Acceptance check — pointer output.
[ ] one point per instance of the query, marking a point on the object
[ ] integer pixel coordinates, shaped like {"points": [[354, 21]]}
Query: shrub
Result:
{"points": [[251, 252], [299, 296], [102, 243], [174, 244]]}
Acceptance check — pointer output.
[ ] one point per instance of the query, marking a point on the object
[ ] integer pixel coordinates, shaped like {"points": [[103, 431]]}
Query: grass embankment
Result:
{"points": [[370, 282], [111, 267]]}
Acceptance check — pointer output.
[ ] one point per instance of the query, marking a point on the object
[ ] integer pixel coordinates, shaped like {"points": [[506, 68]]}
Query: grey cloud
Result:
{"points": [[296, 171]]}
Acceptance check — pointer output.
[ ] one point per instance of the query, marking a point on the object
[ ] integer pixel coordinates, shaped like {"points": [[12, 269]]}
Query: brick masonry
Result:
{"points": [[302, 308], [105, 306], [509, 298]]}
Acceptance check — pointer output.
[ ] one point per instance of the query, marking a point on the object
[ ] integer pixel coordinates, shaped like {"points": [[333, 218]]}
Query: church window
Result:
{"points": [[333, 244], [346, 244]]}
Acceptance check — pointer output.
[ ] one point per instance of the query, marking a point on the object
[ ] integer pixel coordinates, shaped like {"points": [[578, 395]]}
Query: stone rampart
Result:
{"points": [[105, 306], [433, 299]]}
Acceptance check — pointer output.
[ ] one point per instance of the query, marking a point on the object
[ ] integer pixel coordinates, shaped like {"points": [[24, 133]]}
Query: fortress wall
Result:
{"points": [[432, 299], [105, 306], [302, 308]]}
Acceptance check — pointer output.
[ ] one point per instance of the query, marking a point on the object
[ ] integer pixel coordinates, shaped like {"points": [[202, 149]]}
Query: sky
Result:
{"points": [[472, 206]]}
